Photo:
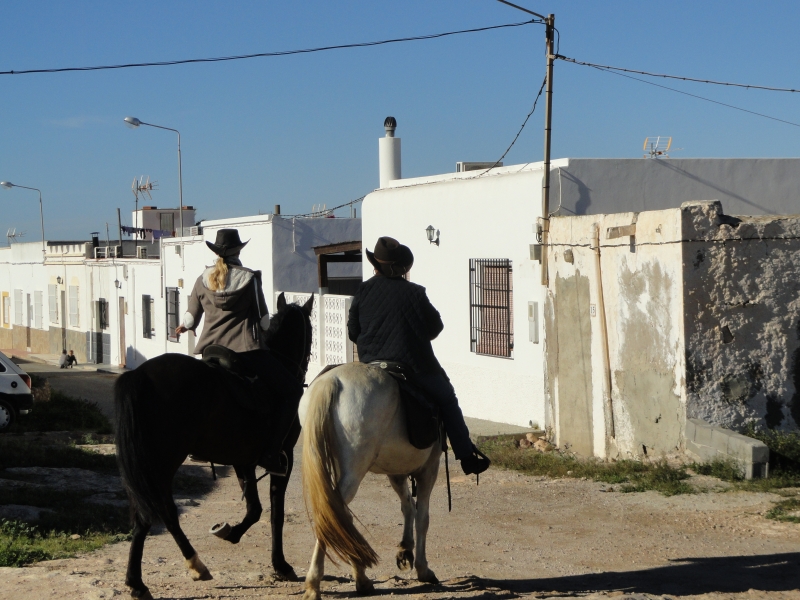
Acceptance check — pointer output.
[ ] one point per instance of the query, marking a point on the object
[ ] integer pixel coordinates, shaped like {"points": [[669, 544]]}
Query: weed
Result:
{"points": [[633, 476], [63, 413], [30, 452], [725, 470], [786, 510]]}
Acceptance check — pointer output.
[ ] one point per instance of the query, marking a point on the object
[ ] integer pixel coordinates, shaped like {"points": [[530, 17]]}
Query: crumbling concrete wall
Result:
{"points": [[686, 313], [742, 317], [634, 318]]}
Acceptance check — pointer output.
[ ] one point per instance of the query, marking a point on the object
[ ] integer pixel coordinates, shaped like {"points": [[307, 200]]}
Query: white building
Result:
{"points": [[123, 311]]}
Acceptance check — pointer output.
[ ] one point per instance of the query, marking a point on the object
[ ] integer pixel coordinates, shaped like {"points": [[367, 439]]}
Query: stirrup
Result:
{"points": [[267, 462]]}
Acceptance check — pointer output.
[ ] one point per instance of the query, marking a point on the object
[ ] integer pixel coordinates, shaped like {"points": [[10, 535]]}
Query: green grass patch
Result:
{"points": [[55, 411], [630, 475], [22, 544], [786, 510], [28, 451]]}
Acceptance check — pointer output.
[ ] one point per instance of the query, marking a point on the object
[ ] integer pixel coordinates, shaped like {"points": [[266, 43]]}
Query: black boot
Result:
{"points": [[475, 463], [275, 462]]}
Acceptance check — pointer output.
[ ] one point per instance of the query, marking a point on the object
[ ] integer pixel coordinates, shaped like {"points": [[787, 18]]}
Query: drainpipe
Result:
{"points": [[608, 407]]}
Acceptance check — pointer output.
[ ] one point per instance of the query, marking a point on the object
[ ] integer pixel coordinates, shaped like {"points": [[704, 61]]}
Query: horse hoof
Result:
{"points": [[197, 570], [365, 588], [311, 594], [145, 595], [405, 560], [284, 574], [427, 577], [221, 530]]}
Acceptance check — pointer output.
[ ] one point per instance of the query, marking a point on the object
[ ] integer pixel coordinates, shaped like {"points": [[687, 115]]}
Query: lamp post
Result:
{"points": [[133, 123], [9, 185]]}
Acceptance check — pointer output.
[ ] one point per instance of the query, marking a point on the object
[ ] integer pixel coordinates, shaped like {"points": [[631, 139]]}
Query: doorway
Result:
{"points": [[122, 346]]}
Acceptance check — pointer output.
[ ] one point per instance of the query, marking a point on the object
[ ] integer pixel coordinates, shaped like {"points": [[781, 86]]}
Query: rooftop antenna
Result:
{"points": [[657, 146], [13, 236], [143, 187]]}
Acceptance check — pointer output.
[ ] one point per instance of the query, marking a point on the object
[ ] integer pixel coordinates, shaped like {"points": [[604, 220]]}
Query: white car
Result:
{"points": [[15, 392]]}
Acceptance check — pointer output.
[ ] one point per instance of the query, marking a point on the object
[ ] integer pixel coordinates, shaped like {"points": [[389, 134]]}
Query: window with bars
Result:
{"points": [[52, 301], [147, 316], [102, 313], [74, 313], [491, 303], [6, 309], [173, 307]]}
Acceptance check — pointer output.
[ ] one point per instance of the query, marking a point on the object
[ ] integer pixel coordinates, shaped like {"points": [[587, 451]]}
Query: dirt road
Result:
{"points": [[511, 536]]}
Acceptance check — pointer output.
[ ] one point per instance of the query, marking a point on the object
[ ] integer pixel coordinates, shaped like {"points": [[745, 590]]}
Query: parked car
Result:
{"points": [[15, 392]]}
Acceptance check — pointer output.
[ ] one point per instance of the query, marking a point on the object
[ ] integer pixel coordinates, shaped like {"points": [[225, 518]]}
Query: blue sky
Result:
{"points": [[302, 130]]}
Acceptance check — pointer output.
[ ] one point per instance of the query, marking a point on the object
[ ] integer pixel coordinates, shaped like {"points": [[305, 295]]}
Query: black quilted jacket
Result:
{"points": [[392, 319]]}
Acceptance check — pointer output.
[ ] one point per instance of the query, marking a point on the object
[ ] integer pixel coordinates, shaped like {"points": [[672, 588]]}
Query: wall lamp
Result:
{"points": [[59, 280], [433, 235]]}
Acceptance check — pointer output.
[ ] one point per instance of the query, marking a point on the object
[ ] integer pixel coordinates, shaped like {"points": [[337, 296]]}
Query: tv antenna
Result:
{"points": [[143, 187], [13, 236], [657, 146]]}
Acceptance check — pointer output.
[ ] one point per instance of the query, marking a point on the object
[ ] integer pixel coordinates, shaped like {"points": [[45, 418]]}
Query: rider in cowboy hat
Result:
{"points": [[392, 319], [231, 298]]}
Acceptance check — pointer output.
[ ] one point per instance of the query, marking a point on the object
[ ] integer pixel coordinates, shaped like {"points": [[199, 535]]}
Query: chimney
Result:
{"points": [[389, 153]]}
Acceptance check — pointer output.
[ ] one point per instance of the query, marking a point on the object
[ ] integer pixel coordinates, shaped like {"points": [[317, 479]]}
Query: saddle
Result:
{"points": [[245, 388], [423, 421]]}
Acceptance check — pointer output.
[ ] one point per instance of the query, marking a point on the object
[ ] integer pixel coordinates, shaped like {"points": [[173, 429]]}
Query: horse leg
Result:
{"points": [[348, 486], [133, 577], [315, 573], [197, 570], [425, 480], [283, 571], [405, 554], [246, 475]]}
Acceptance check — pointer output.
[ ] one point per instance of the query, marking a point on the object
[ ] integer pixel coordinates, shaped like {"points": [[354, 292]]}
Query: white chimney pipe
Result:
{"points": [[389, 153]]}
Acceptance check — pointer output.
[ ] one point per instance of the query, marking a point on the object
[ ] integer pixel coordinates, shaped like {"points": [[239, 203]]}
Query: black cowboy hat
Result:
{"points": [[227, 243], [391, 258]]}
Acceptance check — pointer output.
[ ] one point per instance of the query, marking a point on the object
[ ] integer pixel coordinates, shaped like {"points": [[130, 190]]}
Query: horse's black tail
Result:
{"points": [[137, 440]]}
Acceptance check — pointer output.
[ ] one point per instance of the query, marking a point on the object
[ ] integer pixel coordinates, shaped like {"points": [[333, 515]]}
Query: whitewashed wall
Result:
{"points": [[478, 217]]}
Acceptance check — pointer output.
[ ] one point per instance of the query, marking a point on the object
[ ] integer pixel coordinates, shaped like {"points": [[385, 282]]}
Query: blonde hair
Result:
{"points": [[219, 276]]}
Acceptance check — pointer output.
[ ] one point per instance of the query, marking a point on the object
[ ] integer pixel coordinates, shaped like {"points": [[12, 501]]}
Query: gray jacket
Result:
{"points": [[235, 317]]}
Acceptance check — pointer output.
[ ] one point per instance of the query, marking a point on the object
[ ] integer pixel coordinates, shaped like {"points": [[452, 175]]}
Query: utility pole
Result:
{"points": [[550, 27], [548, 118]]}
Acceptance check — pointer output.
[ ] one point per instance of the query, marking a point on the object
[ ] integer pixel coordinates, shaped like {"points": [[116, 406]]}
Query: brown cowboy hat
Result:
{"points": [[227, 243], [390, 257]]}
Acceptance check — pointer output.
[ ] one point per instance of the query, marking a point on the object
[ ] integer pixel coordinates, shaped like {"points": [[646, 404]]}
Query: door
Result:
{"points": [[121, 316], [29, 322], [63, 319]]}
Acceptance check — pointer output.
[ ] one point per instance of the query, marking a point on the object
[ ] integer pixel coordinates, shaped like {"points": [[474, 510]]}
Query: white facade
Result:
{"points": [[489, 217], [115, 334]]}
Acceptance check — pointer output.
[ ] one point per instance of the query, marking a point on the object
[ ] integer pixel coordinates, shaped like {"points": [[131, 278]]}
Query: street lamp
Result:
{"points": [[133, 123], [8, 185]]}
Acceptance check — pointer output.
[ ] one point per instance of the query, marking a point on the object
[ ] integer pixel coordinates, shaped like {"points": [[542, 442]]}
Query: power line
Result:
{"points": [[710, 81], [752, 112], [516, 137], [269, 54], [328, 210]]}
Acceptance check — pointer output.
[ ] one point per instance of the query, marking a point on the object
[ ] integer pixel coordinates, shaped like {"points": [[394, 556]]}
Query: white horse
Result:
{"points": [[354, 423]]}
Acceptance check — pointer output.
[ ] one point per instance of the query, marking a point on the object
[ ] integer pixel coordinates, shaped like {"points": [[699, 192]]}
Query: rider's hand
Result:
{"points": [[180, 329]]}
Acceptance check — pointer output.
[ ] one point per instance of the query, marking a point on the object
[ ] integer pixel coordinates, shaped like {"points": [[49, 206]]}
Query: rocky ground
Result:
{"points": [[511, 536]]}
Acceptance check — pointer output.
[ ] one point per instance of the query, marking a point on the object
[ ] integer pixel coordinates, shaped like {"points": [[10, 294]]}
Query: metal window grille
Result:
{"points": [[17, 307], [74, 315], [102, 313], [173, 308], [147, 316], [491, 306], [6, 310], [52, 301], [37, 310]]}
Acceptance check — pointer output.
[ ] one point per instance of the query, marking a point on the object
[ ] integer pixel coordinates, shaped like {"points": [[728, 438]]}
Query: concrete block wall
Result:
{"points": [[707, 443]]}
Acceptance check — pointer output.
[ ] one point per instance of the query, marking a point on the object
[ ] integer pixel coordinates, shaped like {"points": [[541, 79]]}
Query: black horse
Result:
{"points": [[174, 405]]}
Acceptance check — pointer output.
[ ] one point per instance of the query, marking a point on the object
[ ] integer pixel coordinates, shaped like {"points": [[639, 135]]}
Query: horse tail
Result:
{"points": [[332, 519], [138, 461]]}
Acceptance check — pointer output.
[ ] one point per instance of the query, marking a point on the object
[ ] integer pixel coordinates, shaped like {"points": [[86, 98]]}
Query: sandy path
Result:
{"points": [[512, 536]]}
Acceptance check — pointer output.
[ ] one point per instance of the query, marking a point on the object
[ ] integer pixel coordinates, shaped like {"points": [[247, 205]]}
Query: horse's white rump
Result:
{"points": [[354, 423]]}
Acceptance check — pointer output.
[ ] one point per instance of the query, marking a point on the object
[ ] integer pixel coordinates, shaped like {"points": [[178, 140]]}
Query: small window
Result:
{"points": [[38, 320], [17, 307], [173, 308], [74, 314], [52, 301], [6, 310], [148, 307], [102, 313], [491, 307]]}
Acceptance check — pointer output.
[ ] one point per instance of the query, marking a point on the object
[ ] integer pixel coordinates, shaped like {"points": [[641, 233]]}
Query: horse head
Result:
{"points": [[289, 332]]}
